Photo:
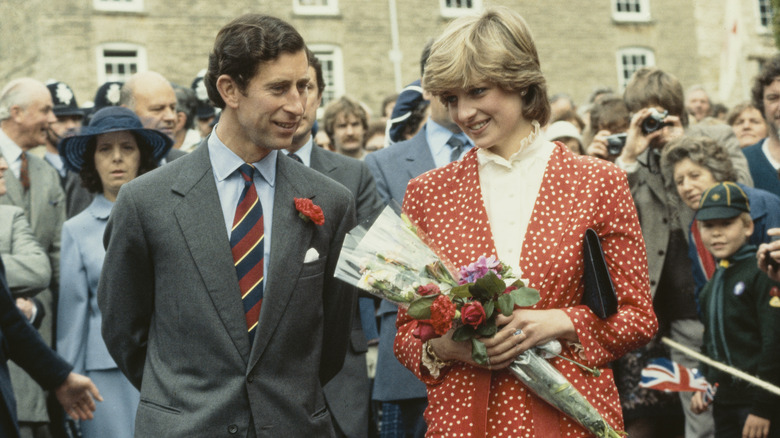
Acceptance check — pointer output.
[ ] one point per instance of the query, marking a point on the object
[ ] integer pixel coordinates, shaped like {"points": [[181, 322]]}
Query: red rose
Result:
{"points": [[472, 314], [424, 331], [442, 312], [308, 211], [428, 289]]}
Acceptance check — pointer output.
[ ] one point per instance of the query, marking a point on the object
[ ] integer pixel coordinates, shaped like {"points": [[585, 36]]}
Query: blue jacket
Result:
{"points": [[764, 174]]}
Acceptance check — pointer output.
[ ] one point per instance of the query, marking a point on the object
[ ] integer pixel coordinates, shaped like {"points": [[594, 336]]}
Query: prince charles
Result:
{"points": [[217, 292]]}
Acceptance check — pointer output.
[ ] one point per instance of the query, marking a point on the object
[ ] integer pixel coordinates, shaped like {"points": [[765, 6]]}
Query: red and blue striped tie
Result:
{"points": [[246, 242]]}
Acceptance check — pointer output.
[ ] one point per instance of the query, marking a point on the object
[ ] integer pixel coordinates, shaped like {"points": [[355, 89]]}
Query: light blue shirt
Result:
{"points": [[56, 162], [304, 152], [437, 137], [230, 184], [12, 153]]}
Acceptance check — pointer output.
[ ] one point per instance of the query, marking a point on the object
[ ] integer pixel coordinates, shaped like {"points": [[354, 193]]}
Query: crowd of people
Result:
{"points": [[176, 245]]}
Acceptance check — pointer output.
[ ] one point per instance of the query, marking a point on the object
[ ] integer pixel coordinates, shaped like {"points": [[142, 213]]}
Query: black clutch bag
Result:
{"points": [[599, 293]]}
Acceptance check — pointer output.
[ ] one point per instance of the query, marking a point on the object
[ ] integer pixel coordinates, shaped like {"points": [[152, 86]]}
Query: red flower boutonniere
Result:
{"points": [[308, 211]]}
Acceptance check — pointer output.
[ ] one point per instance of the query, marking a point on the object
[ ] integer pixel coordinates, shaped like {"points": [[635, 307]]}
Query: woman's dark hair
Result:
{"points": [[243, 45], [769, 72], [90, 178]]}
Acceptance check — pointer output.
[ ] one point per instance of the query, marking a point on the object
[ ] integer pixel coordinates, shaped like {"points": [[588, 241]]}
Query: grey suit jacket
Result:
{"points": [[27, 266], [393, 168], [348, 393], [172, 314], [44, 206]]}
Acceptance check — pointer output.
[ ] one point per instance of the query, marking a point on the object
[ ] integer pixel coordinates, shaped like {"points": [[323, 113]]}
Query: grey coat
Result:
{"points": [[172, 314], [44, 206]]}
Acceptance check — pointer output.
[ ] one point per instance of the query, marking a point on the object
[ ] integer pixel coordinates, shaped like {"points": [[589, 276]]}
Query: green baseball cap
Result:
{"points": [[722, 201]]}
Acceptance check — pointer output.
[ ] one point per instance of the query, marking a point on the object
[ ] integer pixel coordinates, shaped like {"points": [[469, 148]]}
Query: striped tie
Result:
{"points": [[246, 242]]}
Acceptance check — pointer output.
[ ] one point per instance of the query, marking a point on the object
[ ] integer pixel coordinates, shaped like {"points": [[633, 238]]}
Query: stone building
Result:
{"points": [[371, 48]]}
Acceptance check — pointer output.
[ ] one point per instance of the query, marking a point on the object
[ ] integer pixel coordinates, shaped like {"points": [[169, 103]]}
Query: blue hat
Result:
{"points": [[64, 100], [410, 97], [111, 119], [722, 201]]}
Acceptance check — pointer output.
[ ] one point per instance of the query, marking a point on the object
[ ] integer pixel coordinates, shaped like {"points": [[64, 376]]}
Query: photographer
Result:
{"points": [[609, 118], [655, 99]]}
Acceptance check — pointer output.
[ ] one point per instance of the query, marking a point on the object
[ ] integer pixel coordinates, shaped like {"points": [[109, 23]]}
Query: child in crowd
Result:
{"points": [[740, 309]]}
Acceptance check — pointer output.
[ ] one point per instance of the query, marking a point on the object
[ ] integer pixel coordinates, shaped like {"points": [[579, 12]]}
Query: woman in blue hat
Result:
{"points": [[112, 150]]}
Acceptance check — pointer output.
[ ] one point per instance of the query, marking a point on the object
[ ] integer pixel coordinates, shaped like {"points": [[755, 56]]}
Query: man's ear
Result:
{"points": [[228, 89], [15, 112]]}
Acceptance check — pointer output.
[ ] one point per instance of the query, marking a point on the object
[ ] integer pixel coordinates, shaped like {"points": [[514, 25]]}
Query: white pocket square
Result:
{"points": [[311, 255]]}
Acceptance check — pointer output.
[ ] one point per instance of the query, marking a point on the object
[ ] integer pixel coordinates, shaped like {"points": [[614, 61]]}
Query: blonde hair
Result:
{"points": [[495, 47]]}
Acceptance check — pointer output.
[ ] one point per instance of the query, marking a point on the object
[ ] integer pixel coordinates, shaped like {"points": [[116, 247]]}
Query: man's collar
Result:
{"points": [[8, 148], [225, 162], [304, 152]]}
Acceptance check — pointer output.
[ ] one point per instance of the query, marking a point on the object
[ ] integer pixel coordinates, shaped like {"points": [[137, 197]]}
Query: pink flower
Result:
{"points": [[428, 289], [478, 269], [472, 314], [424, 331]]}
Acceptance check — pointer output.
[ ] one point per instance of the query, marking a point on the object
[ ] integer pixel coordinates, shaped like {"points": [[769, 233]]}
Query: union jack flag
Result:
{"points": [[664, 375]]}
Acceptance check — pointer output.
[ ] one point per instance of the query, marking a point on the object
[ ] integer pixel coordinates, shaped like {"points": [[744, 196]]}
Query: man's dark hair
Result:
{"points": [[245, 43], [317, 65], [610, 113], [90, 178], [769, 72], [651, 86], [187, 103]]}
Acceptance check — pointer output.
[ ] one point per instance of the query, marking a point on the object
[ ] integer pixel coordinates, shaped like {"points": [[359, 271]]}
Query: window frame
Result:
{"points": [[451, 12], [332, 8], [763, 29], [140, 57], [330, 53], [118, 6], [648, 53], [632, 17]]}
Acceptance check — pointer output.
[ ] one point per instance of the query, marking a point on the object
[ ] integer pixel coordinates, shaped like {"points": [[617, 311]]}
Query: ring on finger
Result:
{"points": [[488, 362]]}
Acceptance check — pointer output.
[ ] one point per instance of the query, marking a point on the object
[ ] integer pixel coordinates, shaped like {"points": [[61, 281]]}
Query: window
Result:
{"points": [[630, 60], [456, 8], [332, 72], [316, 7], [119, 5], [119, 61], [764, 15], [631, 10]]}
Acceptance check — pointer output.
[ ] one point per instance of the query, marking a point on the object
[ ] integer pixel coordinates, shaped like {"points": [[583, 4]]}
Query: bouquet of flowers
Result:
{"points": [[390, 260]]}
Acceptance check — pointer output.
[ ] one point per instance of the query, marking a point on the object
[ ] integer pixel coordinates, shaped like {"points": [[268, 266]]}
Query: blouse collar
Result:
{"points": [[528, 147]]}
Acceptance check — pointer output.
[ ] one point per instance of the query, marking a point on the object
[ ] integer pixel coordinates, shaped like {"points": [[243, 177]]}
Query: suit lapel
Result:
{"points": [[14, 193], [551, 217], [290, 240], [321, 162], [200, 218], [418, 157]]}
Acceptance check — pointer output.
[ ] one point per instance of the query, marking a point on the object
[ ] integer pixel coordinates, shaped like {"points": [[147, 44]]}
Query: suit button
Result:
{"points": [[250, 379], [232, 428], [660, 252], [652, 282]]}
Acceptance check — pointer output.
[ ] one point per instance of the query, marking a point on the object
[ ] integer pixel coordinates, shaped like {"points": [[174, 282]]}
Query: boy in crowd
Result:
{"points": [[740, 309]]}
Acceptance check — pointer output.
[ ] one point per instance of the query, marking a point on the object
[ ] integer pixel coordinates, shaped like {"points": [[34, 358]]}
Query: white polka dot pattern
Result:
{"points": [[577, 193]]}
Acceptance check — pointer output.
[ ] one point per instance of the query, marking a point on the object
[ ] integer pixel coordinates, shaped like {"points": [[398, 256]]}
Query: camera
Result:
{"points": [[654, 121], [615, 143]]}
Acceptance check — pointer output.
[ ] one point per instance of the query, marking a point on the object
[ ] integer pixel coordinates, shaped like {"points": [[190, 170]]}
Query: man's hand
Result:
{"points": [[697, 403], [637, 142], [598, 147], [77, 395], [26, 306], [768, 251], [755, 427]]}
